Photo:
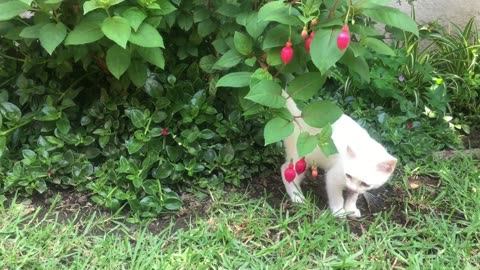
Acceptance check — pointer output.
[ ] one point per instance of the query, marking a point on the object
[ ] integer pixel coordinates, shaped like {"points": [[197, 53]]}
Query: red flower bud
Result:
{"points": [[409, 126], [164, 132], [287, 53], [290, 173], [304, 32], [309, 41], [343, 39], [300, 166]]}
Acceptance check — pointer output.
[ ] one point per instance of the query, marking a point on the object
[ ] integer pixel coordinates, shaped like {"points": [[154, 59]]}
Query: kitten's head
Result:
{"points": [[367, 171]]}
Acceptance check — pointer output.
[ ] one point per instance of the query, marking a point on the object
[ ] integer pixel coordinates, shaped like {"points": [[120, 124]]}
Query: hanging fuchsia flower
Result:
{"points": [[290, 173], [287, 53], [343, 39], [309, 41]]}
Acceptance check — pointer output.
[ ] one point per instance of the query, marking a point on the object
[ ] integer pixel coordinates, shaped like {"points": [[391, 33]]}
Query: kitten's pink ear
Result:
{"points": [[387, 166], [350, 152]]}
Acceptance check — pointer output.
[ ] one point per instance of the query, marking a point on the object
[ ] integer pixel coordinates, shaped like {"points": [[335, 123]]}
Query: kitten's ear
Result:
{"points": [[387, 166], [350, 152]]}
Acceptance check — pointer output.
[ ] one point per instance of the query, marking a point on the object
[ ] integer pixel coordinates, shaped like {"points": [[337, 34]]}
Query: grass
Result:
{"points": [[434, 226]]}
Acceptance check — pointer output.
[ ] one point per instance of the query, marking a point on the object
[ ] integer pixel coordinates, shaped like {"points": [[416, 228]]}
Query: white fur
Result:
{"points": [[359, 156]]}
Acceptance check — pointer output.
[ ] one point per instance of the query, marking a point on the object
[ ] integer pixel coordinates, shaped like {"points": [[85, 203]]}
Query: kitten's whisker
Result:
{"points": [[372, 200]]}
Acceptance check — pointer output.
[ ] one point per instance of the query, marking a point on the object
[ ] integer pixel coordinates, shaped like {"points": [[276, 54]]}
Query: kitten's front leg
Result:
{"points": [[334, 188], [293, 188], [351, 204]]}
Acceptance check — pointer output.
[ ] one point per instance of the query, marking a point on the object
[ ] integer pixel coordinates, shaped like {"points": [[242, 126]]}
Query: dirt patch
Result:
{"points": [[472, 140]]}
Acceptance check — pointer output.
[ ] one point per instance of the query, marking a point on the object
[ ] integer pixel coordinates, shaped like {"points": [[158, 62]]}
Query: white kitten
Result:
{"points": [[361, 163]]}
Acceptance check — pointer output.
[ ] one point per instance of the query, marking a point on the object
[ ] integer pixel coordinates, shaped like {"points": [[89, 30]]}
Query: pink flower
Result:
{"points": [[164, 132], [409, 126]]}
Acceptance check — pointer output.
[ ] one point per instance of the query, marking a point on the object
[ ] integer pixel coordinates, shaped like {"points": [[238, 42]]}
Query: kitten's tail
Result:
{"points": [[291, 105]]}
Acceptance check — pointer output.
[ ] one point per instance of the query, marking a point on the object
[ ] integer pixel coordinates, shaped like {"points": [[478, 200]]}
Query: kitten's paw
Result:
{"points": [[354, 213], [296, 198], [340, 213]]}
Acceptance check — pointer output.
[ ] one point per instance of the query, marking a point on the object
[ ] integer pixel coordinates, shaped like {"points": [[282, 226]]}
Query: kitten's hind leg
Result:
{"points": [[351, 204], [293, 188]]}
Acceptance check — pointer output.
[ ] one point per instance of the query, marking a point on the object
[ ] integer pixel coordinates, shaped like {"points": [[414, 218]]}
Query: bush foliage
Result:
{"points": [[133, 100]]}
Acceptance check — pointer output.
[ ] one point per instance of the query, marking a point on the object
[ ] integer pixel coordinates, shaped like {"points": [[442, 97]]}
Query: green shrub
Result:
{"points": [[89, 89]]}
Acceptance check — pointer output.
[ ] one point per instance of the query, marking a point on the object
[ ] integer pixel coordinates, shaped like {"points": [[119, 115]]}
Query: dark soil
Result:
{"points": [[388, 198]]}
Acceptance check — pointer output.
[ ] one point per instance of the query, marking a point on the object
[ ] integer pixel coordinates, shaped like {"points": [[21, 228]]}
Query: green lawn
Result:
{"points": [[433, 226]]}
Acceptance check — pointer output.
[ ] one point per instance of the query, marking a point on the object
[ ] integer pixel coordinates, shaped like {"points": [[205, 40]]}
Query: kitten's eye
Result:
{"points": [[365, 185], [348, 176]]}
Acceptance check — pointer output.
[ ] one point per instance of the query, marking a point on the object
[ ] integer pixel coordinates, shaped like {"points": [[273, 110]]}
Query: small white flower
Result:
{"points": [[27, 14]]}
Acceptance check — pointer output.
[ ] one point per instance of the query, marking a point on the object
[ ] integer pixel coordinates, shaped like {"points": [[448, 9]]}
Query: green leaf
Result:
{"points": [[321, 113], [378, 46], [153, 56], [133, 145], [29, 155], [280, 12], [306, 85], [324, 50], [235, 79], [228, 60], [254, 26], [391, 16], [277, 129], [138, 118], [118, 60], [259, 75], [174, 153], [277, 37], [243, 43], [267, 93], [32, 31], [185, 22], [10, 111], [200, 14], [229, 10], [90, 5], [63, 124], [165, 7], [147, 36], [356, 65], [207, 62], [325, 141], [3, 145], [117, 29], [173, 204], [8, 10], [48, 113], [138, 72], [85, 32], [135, 16], [306, 143], [51, 35], [206, 27]]}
